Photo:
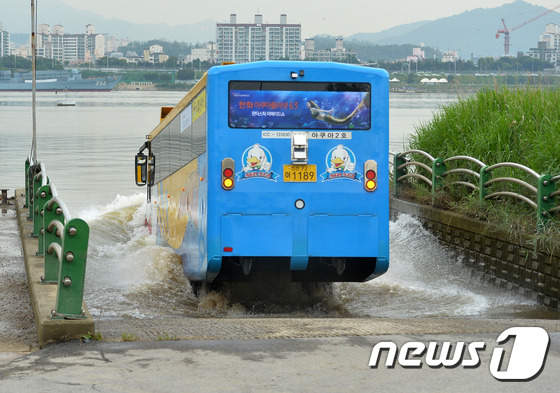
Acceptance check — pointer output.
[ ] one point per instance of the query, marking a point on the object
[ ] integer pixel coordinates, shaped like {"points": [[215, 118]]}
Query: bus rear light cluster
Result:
{"points": [[370, 175], [228, 172]]}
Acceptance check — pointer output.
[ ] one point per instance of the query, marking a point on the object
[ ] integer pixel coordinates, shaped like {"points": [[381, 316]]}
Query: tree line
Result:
{"points": [[486, 65], [22, 63]]}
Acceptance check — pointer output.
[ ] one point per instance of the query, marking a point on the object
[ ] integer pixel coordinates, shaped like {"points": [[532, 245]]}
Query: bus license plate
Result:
{"points": [[300, 173]]}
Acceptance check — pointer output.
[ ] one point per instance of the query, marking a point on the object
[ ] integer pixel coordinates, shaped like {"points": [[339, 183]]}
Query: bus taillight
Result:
{"points": [[370, 175], [228, 172]]}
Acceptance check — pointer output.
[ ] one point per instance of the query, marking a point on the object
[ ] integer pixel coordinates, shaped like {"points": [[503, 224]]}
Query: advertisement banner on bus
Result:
{"points": [[340, 110]]}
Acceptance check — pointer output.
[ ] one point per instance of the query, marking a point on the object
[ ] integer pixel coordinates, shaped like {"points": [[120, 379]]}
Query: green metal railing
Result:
{"points": [[62, 241], [538, 191]]}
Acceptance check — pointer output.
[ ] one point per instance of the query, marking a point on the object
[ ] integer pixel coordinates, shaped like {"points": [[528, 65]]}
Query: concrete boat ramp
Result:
{"points": [[249, 354]]}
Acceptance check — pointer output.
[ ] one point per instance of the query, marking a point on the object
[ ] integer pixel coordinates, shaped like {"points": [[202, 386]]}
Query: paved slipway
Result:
{"points": [[17, 324], [241, 354]]}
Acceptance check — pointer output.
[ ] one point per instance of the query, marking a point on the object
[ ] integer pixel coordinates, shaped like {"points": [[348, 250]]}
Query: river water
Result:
{"points": [[88, 151]]}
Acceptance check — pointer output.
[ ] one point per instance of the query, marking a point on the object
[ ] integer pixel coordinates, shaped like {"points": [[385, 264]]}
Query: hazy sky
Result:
{"points": [[344, 17]]}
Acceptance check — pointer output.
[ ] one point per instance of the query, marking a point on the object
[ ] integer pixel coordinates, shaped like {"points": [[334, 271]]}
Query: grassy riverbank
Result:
{"points": [[494, 126]]}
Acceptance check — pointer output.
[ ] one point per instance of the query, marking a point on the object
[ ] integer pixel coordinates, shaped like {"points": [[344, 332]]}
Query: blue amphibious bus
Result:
{"points": [[276, 166]]}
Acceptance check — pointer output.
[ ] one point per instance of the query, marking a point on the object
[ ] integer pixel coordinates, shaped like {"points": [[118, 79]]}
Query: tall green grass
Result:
{"points": [[494, 126], [501, 125]]}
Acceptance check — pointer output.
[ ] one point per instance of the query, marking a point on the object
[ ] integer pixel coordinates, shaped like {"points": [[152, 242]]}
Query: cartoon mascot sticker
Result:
{"points": [[257, 164], [341, 164]]}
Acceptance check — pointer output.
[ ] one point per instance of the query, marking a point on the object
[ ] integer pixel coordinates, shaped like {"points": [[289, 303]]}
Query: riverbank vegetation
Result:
{"points": [[485, 65], [494, 126], [19, 63], [501, 125]]}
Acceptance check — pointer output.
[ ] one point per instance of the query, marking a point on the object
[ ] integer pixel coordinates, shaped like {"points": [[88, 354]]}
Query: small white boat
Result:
{"points": [[66, 101]]}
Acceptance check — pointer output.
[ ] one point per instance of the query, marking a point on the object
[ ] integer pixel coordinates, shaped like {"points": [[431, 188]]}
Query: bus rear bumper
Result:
{"points": [[314, 248], [315, 269]]}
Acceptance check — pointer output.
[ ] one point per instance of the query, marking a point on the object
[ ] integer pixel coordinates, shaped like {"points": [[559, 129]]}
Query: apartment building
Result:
{"points": [[247, 42], [74, 48], [548, 46], [4, 41]]}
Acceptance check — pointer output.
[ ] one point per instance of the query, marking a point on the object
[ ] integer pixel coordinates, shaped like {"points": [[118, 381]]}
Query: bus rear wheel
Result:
{"points": [[200, 287]]}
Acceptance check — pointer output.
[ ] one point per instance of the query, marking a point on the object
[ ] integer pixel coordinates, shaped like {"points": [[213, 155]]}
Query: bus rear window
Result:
{"points": [[300, 105]]}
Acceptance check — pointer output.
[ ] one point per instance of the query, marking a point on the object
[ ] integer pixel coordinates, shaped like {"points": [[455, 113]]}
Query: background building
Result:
{"points": [[112, 43], [74, 48], [548, 47], [417, 54], [247, 42], [155, 55], [4, 41], [208, 53], [338, 53], [450, 56]]}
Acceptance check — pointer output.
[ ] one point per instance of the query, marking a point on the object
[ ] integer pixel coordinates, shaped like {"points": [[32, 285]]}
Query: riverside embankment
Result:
{"points": [[521, 264]]}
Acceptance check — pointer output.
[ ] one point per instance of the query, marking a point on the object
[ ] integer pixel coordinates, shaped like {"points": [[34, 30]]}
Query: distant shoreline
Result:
{"points": [[153, 87], [129, 87]]}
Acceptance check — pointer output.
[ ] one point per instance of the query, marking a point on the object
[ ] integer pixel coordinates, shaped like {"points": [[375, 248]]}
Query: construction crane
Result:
{"points": [[505, 31]]}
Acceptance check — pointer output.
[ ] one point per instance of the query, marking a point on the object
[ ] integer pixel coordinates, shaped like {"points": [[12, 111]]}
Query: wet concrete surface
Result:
{"points": [[17, 324], [338, 364], [280, 328]]}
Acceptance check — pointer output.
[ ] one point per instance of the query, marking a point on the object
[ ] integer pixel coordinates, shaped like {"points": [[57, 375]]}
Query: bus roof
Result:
{"points": [[276, 64]]}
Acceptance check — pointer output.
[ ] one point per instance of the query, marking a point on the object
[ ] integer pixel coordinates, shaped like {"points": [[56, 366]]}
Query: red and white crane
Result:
{"points": [[505, 31]]}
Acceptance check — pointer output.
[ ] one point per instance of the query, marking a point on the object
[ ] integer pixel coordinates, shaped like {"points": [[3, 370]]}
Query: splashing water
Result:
{"points": [[128, 276], [427, 280]]}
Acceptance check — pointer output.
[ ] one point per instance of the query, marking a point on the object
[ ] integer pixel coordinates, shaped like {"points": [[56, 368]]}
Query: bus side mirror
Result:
{"points": [[141, 166]]}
